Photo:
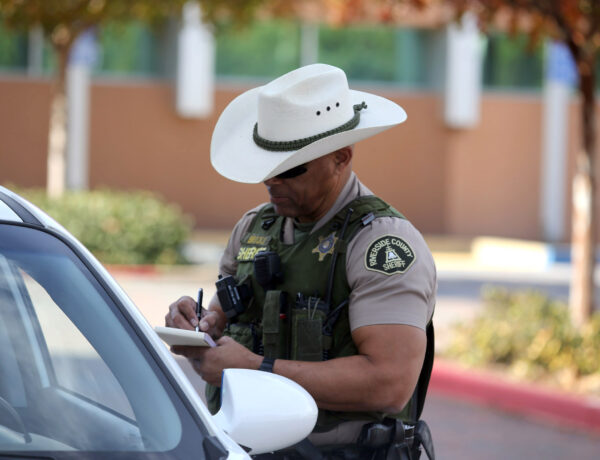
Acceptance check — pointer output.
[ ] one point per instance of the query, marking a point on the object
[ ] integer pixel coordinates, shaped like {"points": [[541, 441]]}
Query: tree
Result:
{"points": [[64, 21], [577, 24]]}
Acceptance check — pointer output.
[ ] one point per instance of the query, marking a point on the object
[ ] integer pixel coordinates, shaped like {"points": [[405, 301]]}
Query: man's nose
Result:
{"points": [[272, 181]]}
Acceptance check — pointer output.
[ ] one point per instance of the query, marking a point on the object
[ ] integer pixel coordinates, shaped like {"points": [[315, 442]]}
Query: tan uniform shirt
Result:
{"points": [[376, 297]]}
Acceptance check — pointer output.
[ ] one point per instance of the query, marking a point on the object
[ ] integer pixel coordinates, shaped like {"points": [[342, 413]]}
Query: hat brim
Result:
{"points": [[235, 156]]}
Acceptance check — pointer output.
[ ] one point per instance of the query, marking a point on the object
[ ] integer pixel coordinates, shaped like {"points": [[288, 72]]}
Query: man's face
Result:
{"points": [[308, 196]]}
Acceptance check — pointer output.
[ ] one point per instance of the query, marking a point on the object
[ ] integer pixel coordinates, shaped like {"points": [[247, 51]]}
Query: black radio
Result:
{"points": [[267, 269], [232, 296]]}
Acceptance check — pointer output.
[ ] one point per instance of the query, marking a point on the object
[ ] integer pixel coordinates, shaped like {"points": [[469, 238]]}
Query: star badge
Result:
{"points": [[326, 246]]}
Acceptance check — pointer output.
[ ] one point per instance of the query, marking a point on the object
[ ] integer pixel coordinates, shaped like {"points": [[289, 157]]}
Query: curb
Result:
{"points": [[519, 398]]}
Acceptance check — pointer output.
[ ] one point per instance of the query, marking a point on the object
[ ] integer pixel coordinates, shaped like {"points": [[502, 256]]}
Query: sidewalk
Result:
{"points": [[154, 288]]}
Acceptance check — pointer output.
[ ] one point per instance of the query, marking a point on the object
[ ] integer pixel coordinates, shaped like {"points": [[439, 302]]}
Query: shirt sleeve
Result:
{"points": [[228, 263], [391, 274]]}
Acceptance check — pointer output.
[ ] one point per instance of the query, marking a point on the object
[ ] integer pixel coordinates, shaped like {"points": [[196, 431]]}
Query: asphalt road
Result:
{"points": [[463, 430]]}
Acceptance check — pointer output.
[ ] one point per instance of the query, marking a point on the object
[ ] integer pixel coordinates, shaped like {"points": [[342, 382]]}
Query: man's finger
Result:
{"points": [[183, 313], [208, 321]]}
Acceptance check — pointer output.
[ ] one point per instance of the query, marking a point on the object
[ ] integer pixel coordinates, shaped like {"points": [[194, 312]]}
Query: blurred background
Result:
{"points": [[476, 156], [107, 109]]}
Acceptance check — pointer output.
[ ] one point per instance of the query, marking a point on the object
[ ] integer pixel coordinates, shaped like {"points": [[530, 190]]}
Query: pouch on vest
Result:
{"points": [[274, 325], [244, 334], [308, 315]]}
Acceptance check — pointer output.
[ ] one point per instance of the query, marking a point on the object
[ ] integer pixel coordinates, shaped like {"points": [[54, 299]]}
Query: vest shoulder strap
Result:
{"points": [[420, 392], [365, 210], [264, 218]]}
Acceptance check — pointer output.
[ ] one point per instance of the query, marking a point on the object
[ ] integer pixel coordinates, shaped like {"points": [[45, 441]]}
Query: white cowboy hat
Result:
{"points": [[296, 118]]}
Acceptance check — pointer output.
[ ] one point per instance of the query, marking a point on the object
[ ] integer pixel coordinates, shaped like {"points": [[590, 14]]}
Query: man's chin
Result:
{"points": [[283, 210]]}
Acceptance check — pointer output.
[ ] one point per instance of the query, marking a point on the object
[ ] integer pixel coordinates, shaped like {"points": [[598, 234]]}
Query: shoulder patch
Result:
{"points": [[389, 255]]}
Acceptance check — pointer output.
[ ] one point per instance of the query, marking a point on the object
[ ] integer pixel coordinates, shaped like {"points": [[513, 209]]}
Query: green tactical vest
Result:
{"points": [[304, 316]]}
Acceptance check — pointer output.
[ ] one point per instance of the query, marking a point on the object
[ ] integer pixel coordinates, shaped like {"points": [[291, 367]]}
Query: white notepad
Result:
{"points": [[174, 336]]}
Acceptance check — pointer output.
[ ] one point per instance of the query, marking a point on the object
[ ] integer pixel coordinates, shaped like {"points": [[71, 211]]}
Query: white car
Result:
{"points": [[83, 375]]}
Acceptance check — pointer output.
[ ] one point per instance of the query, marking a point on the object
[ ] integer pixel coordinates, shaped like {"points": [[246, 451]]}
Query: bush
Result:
{"points": [[531, 335], [120, 227]]}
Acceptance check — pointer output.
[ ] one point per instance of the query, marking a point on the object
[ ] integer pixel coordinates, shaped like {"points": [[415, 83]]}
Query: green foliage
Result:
{"points": [[77, 15], [120, 227], [530, 334], [64, 19]]}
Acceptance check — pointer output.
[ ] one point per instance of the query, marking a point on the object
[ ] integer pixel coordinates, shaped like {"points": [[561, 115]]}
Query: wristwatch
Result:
{"points": [[267, 365]]}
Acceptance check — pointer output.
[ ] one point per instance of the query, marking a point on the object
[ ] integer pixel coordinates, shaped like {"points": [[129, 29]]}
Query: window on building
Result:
{"points": [[125, 49], [131, 49], [263, 49], [378, 53], [513, 63], [13, 49], [365, 52], [407, 57]]}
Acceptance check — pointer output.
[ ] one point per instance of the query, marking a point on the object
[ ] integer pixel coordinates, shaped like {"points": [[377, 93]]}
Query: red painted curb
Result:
{"points": [[525, 399]]}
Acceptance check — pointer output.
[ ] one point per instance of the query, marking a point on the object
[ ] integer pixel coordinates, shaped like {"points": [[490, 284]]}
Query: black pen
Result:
{"points": [[199, 308]]}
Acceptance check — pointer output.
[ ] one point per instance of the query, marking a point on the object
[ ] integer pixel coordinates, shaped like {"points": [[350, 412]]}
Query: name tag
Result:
{"points": [[247, 253], [256, 240]]}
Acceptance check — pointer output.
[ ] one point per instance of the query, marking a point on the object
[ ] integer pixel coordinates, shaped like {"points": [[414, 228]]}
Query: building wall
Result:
{"points": [[461, 182], [24, 119], [150, 147], [494, 171]]}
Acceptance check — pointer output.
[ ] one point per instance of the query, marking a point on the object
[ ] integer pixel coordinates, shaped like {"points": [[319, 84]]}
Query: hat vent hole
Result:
{"points": [[318, 112], [328, 108], [337, 104]]}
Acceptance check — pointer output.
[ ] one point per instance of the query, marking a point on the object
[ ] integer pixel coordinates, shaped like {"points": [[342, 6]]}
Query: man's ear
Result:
{"points": [[343, 156]]}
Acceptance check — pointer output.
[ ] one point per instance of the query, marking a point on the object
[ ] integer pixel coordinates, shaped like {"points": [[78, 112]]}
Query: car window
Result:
{"points": [[73, 376], [76, 364]]}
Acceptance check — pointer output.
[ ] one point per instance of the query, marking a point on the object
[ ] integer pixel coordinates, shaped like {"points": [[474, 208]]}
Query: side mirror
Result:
{"points": [[264, 412]]}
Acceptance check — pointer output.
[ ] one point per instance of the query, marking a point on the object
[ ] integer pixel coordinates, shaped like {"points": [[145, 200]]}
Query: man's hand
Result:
{"points": [[209, 363], [182, 315]]}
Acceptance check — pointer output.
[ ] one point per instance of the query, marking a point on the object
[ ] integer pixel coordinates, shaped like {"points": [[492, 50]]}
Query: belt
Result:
{"points": [[374, 436], [409, 431]]}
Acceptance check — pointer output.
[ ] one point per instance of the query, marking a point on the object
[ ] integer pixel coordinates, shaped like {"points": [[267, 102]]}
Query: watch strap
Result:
{"points": [[267, 365]]}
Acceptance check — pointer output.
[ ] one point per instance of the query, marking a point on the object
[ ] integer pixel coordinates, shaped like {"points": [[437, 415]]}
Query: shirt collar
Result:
{"points": [[351, 190]]}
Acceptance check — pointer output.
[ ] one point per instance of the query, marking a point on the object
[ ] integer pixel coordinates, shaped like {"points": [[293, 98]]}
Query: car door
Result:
{"points": [[76, 381]]}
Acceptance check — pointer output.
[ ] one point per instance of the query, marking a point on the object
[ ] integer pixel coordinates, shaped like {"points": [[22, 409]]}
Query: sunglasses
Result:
{"points": [[294, 172]]}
